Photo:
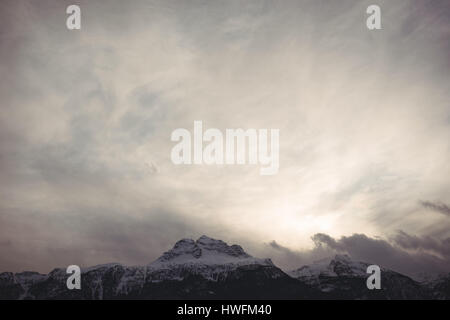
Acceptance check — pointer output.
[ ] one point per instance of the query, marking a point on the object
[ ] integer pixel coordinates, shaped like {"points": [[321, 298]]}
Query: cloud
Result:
{"points": [[436, 206], [90, 236], [440, 247], [402, 252], [86, 118], [289, 259]]}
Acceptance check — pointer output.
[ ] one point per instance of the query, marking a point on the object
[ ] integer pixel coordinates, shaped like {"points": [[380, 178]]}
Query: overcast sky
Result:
{"points": [[86, 117]]}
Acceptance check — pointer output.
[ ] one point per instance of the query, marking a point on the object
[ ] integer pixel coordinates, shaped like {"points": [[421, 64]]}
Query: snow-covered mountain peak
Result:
{"points": [[340, 265], [206, 243], [207, 239], [211, 268], [343, 265], [207, 251]]}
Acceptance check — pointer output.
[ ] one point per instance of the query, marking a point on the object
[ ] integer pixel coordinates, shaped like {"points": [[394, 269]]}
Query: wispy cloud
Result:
{"points": [[436, 206], [86, 118]]}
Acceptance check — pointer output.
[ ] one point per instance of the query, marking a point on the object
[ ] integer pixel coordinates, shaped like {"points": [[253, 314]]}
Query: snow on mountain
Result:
{"points": [[206, 257], [20, 283], [210, 268], [100, 266], [206, 251], [343, 278], [340, 265]]}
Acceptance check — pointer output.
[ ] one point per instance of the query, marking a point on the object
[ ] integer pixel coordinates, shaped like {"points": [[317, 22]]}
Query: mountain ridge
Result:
{"points": [[208, 268]]}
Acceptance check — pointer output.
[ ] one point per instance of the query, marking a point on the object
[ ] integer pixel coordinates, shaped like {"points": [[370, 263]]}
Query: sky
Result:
{"points": [[86, 118]]}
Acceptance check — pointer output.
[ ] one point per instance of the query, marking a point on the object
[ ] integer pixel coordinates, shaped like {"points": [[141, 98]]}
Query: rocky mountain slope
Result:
{"points": [[211, 269], [343, 278]]}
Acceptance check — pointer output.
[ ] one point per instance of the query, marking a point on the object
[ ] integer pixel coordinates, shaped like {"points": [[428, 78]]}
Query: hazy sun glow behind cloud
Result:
{"points": [[86, 121]]}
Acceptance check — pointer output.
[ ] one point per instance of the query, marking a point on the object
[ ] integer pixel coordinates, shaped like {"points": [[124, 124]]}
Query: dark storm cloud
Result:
{"points": [[402, 252], [436, 206], [426, 243], [89, 235]]}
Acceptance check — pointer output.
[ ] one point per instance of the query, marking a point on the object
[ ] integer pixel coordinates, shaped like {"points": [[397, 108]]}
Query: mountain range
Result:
{"points": [[211, 269]]}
